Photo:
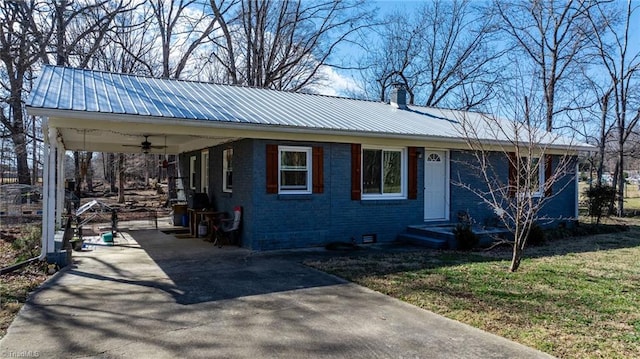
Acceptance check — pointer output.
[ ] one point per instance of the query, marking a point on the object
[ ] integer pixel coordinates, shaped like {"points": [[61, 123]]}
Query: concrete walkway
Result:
{"points": [[162, 297]]}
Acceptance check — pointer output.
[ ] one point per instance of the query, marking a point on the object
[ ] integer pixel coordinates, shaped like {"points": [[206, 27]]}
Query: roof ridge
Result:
{"points": [[212, 83]]}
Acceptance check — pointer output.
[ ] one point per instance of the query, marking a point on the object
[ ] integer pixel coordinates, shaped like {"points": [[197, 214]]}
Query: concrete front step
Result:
{"points": [[439, 232], [435, 243], [441, 236]]}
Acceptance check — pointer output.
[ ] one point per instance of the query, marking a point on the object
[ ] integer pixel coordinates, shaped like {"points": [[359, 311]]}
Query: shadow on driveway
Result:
{"points": [[162, 297]]}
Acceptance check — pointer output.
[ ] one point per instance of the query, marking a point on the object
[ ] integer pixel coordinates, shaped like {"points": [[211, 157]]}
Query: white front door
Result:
{"points": [[436, 189]]}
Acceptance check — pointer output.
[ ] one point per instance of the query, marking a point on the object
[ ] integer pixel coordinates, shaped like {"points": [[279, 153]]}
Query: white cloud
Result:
{"points": [[335, 84]]}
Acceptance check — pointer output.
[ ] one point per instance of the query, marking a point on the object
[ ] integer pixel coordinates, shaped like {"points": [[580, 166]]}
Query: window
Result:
{"points": [[530, 175], [294, 164], [192, 172], [227, 170], [434, 157], [383, 173], [286, 167], [204, 171]]}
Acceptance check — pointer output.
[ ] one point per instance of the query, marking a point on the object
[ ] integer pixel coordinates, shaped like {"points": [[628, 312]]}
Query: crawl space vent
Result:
{"points": [[369, 238]]}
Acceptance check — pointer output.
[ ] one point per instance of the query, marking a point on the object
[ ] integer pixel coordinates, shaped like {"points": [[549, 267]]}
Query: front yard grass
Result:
{"points": [[572, 298]]}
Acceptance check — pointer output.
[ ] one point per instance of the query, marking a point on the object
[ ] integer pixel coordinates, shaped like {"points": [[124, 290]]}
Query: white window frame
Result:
{"points": [[225, 169], [308, 151], [403, 174], [541, 171], [192, 172], [204, 171]]}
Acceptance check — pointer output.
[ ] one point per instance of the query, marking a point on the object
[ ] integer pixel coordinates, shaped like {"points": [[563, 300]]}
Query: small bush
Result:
{"points": [[467, 240], [599, 197], [537, 235], [28, 245]]}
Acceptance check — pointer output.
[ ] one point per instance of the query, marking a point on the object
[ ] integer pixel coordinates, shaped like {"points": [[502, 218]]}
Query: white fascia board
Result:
{"points": [[138, 123]]}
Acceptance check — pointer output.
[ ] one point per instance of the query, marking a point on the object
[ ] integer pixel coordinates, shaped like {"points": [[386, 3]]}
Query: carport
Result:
{"points": [[72, 130], [84, 110]]}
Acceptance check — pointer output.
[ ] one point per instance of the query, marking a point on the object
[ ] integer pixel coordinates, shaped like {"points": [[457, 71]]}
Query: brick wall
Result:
{"points": [[276, 221], [560, 207]]}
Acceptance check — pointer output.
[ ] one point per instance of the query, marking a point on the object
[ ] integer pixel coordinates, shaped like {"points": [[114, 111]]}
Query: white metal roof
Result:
{"points": [[64, 90]]}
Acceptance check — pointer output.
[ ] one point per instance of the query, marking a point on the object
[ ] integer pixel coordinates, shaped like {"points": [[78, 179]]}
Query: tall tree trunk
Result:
{"points": [[112, 176], [146, 170], [518, 247], [121, 178], [34, 154], [171, 174], [603, 135], [89, 172], [621, 181], [77, 174], [614, 183], [20, 143]]}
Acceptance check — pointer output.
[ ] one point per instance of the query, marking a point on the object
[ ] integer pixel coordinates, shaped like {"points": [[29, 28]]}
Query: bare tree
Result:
{"points": [[552, 35], [621, 69], [441, 55], [21, 46], [540, 165], [283, 45], [393, 59], [183, 26], [595, 122], [129, 48]]}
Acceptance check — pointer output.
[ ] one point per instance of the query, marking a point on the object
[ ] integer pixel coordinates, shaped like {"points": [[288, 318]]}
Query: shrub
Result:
{"points": [[467, 240], [537, 235], [599, 197], [28, 245]]}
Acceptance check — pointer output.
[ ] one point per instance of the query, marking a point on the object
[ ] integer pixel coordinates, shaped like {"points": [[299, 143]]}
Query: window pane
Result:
{"points": [[392, 172], [294, 160], [229, 182], [529, 174], [371, 171], [295, 169], [293, 180], [227, 165], [228, 156]]}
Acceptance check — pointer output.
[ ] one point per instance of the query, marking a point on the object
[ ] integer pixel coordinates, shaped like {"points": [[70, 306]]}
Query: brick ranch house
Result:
{"points": [[307, 169]]}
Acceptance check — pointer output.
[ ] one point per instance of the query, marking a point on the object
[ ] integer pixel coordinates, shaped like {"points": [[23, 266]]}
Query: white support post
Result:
{"points": [[46, 153], [60, 184], [50, 200]]}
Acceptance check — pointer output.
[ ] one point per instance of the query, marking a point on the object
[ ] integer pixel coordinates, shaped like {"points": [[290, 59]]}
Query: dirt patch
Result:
{"points": [[15, 289], [16, 286]]}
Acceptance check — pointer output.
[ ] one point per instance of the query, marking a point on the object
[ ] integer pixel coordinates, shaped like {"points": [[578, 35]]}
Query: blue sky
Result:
{"points": [[342, 82]]}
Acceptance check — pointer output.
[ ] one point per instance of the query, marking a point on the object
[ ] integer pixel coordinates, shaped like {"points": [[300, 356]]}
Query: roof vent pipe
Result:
{"points": [[398, 97]]}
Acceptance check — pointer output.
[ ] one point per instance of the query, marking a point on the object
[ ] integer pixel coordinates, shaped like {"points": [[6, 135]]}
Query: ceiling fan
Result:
{"points": [[146, 146]]}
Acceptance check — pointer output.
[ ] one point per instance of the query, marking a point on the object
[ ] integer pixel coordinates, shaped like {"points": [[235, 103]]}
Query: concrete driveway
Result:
{"points": [[162, 297]]}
